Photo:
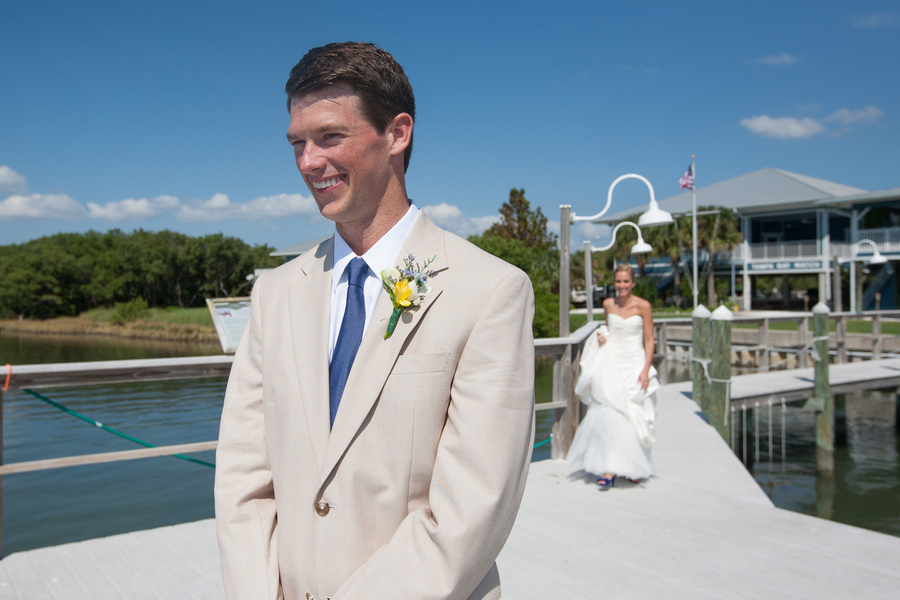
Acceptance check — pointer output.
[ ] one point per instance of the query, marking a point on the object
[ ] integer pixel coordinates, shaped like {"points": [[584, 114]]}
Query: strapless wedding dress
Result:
{"points": [[616, 434]]}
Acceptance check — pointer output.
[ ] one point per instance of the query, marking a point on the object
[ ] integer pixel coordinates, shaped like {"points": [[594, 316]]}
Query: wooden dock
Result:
{"points": [[702, 529]]}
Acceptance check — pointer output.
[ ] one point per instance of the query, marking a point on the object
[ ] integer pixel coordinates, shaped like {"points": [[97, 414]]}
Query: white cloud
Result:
{"points": [[41, 206], [875, 20], [869, 114], [793, 128], [783, 127], [598, 234], [220, 207], [452, 218], [774, 60], [130, 208], [11, 182]]}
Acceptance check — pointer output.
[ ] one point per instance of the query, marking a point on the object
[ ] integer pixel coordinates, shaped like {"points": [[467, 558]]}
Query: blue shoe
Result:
{"points": [[606, 482]]}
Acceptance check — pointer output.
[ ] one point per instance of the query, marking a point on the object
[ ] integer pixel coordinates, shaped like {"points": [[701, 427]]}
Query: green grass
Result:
{"points": [[853, 326], [171, 314]]}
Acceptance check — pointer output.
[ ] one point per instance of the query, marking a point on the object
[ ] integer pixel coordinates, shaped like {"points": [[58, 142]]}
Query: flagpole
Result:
{"points": [[694, 230]]}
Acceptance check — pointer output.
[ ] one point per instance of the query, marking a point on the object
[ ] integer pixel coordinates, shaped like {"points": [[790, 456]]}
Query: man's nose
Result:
{"points": [[310, 159]]}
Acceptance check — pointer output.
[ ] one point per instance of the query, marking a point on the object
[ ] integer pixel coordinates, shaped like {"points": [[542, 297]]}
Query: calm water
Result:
{"points": [[865, 489], [71, 504]]}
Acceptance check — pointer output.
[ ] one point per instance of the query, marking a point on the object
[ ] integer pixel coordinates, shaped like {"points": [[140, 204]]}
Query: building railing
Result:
{"points": [[781, 250], [887, 238]]}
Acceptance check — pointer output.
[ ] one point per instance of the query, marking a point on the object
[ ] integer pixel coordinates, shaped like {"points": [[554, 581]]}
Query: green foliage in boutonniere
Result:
{"points": [[407, 287]]}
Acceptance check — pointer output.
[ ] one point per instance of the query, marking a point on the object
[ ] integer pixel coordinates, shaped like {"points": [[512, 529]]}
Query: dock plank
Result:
{"points": [[196, 577], [63, 582], [119, 570], [27, 580]]}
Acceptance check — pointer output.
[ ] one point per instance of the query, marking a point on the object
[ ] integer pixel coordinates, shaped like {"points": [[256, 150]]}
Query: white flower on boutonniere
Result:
{"points": [[407, 287]]}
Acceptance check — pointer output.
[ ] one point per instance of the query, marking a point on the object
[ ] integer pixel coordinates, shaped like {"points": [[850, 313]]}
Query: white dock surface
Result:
{"points": [[701, 529]]}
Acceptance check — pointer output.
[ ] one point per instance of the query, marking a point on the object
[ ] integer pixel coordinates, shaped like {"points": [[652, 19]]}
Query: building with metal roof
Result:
{"points": [[795, 225]]}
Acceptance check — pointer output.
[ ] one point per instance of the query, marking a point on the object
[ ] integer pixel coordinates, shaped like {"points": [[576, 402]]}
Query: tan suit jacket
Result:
{"points": [[414, 491]]}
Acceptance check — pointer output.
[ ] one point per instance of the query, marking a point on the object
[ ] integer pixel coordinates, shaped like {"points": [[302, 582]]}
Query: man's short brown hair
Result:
{"points": [[373, 73]]}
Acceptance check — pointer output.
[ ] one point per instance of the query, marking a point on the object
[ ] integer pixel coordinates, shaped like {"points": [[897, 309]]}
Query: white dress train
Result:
{"points": [[616, 434]]}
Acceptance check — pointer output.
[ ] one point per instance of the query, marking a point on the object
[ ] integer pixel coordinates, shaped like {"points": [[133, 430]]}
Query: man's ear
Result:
{"points": [[400, 129]]}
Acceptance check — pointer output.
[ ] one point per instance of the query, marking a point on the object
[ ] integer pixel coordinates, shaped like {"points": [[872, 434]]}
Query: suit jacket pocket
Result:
{"points": [[424, 362]]}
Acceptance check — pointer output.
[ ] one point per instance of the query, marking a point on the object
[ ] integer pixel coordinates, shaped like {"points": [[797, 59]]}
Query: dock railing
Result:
{"points": [[760, 345], [564, 404]]}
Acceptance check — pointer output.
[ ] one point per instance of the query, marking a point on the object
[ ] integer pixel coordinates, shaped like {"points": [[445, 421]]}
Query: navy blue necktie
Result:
{"points": [[350, 334]]}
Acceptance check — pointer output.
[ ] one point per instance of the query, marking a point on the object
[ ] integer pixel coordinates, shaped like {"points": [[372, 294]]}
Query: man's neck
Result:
{"points": [[362, 236]]}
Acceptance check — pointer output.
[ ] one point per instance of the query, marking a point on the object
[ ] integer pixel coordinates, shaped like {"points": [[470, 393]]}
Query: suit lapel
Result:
{"points": [[310, 310], [376, 356]]}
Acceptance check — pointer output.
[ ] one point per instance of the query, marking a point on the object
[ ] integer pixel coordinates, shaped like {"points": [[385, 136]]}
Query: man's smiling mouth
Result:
{"points": [[321, 185]]}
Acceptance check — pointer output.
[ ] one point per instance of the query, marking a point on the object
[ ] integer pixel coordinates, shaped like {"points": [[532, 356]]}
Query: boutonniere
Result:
{"points": [[407, 287]]}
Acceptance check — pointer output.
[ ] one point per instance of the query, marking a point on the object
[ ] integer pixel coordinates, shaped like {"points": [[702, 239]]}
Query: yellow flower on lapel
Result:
{"points": [[401, 293], [406, 287]]}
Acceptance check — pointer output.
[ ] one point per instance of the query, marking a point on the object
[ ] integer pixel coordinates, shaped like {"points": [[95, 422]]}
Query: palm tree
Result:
{"points": [[717, 233]]}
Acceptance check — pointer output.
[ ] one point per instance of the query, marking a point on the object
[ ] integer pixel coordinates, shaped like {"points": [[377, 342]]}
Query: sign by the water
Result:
{"points": [[797, 265], [230, 316]]}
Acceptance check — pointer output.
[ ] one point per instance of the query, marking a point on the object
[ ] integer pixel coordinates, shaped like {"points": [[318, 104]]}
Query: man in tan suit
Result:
{"points": [[352, 466]]}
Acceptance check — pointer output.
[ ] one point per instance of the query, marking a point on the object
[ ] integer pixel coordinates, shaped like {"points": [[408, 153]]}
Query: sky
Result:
{"points": [[171, 115]]}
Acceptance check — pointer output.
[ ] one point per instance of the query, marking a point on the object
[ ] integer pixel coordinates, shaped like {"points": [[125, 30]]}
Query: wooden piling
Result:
{"points": [[840, 335], [822, 390], [877, 340], [764, 346], [565, 420], [700, 351], [803, 338], [720, 371]]}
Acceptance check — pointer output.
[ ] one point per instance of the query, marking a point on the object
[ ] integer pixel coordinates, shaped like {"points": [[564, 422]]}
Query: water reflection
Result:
{"points": [[866, 482]]}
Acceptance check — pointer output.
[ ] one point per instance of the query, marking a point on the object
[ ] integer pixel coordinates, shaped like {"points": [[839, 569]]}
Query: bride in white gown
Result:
{"points": [[618, 383]]}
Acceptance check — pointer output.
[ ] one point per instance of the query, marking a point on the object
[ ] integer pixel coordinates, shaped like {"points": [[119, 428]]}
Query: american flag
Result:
{"points": [[687, 180]]}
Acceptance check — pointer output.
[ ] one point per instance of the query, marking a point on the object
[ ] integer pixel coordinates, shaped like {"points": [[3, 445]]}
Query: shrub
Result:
{"points": [[124, 312]]}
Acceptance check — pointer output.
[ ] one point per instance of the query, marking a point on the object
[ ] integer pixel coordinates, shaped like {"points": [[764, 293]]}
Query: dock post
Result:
{"points": [[565, 419], [822, 390], [840, 334], [877, 341], [662, 367], [720, 371], [764, 343], [700, 353], [803, 339]]}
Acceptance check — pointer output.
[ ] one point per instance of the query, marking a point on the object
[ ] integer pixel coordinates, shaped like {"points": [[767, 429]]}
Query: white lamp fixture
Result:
{"points": [[876, 259], [654, 215], [641, 247]]}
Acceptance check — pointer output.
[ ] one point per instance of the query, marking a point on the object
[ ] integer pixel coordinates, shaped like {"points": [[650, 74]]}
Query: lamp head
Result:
{"points": [[641, 247], [655, 216], [877, 259]]}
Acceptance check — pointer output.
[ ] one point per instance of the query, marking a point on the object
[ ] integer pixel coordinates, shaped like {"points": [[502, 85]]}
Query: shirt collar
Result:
{"points": [[381, 255]]}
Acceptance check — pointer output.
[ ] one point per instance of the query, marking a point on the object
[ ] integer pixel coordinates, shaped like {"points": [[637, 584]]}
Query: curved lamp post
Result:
{"points": [[653, 216], [876, 259]]}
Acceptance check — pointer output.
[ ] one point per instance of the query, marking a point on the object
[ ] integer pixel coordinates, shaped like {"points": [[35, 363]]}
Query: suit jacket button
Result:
{"points": [[322, 509]]}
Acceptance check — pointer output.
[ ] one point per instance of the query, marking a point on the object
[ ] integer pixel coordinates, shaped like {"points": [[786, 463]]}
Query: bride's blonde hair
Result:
{"points": [[627, 268]]}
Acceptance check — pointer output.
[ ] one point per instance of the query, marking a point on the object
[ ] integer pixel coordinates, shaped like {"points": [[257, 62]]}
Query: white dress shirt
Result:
{"points": [[379, 257]]}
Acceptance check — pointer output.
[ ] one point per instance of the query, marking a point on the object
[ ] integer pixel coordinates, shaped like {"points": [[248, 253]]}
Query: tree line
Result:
{"points": [[68, 273]]}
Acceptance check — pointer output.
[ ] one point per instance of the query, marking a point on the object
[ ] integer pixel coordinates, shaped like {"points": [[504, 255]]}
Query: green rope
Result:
{"points": [[110, 429], [544, 441]]}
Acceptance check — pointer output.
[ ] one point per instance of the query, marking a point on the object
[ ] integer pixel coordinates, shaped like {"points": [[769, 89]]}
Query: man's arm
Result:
{"points": [[445, 550], [245, 502]]}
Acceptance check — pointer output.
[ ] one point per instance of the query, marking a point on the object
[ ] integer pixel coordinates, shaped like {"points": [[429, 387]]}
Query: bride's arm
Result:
{"points": [[646, 312]]}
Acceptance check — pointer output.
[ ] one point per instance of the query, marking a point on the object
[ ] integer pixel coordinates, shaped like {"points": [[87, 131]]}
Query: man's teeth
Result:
{"points": [[321, 185]]}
